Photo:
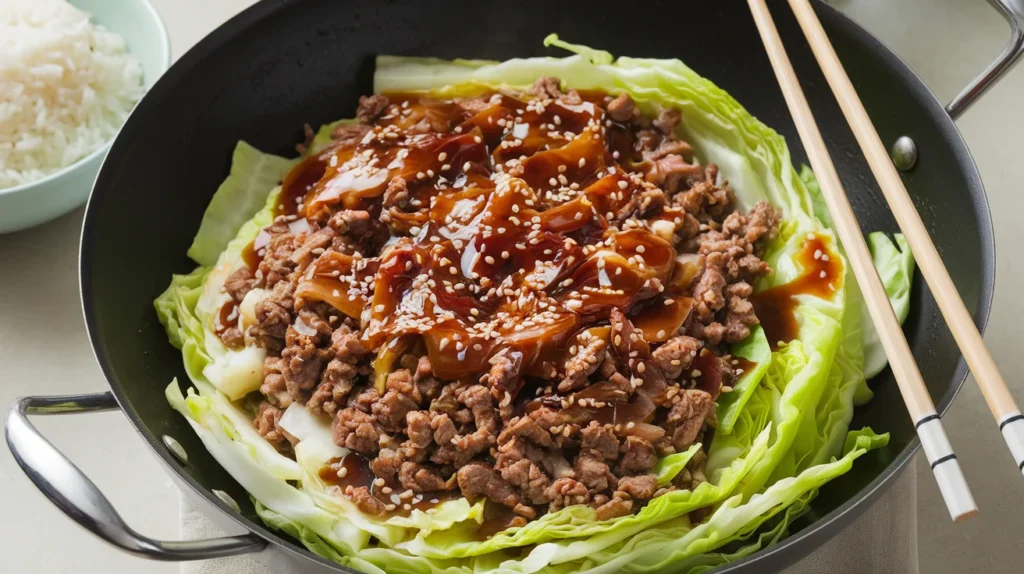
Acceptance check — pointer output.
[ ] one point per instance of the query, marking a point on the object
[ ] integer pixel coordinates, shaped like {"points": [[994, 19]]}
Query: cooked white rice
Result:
{"points": [[66, 86]]}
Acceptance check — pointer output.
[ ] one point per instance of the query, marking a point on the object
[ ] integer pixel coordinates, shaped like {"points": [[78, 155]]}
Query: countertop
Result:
{"points": [[44, 349]]}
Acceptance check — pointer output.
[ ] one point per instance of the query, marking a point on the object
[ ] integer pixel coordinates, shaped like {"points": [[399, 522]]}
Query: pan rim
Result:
{"points": [[788, 551]]}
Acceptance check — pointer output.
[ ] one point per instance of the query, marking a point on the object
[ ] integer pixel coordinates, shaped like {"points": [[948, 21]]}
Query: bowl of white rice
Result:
{"points": [[70, 73]]}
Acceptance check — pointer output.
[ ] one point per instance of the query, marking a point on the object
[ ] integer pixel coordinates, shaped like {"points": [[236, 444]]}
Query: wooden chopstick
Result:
{"points": [[948, 474], [1005, 410]]}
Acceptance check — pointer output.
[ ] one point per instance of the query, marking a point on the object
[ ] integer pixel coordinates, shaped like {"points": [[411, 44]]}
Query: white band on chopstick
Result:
{"points": [[946, 468], [1012, 427]]}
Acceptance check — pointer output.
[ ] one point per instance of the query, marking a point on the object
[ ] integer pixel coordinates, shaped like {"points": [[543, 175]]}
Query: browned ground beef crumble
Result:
{"points": [[577, 414]]}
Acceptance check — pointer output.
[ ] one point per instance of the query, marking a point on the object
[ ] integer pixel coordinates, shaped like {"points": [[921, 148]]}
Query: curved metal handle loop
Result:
{"points": [[1013, 11], [68, 488]]}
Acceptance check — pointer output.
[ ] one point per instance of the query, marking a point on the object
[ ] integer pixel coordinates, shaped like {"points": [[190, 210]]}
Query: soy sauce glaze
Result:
{"points": [[775, 307], [297, 184], [353, 470], [476, 236]]}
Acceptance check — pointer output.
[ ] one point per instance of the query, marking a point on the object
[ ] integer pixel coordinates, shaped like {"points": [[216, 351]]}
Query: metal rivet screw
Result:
{"points": [[904, 153], [226, 499], [176, 449]]}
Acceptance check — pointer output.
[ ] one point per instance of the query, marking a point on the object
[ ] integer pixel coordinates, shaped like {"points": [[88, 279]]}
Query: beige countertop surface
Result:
{"points": [[44, 349]]}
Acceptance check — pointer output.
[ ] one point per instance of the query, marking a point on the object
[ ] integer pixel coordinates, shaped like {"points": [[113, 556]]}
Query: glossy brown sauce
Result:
{"points": [[821, 270], [298, 183], [497, 518], [513, 266], [357, 474], [253, 253], [741, 366], [227, 317]]}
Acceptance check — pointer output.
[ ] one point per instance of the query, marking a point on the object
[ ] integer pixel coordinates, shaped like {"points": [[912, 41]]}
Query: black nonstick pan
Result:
{"points": [[280, 64]]}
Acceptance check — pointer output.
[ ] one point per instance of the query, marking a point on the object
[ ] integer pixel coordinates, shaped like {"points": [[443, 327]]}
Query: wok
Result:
{"points": [[280, 64]]}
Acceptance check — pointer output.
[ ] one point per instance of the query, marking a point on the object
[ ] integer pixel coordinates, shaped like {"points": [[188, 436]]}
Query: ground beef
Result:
{"points": [[356, 430], [668, 120], [397, 193], [473, 106], [307, 139], [669, 172], [621, 108], [240, 282], [277, 265], [686, 417], [601, 440], [365, 501], [232, 337], [478, 479], [350, 222], [642, 487], [593, 472], [740, 314], [503, 373], [547, 87], [371, 108], [308, 248], [391, 409], [618, 505], [525, 430], [675, 355], [666, 148], [639, 455], [348, 134], [266, 423], [579, 368], [418, 478], [274, 316]]}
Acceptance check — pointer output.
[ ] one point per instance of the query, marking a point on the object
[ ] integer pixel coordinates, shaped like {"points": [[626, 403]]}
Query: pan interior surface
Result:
{"points": [[276, 66]]}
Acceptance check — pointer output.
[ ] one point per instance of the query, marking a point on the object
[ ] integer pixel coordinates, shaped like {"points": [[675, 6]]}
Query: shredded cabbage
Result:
{"points": [[783, 430]]}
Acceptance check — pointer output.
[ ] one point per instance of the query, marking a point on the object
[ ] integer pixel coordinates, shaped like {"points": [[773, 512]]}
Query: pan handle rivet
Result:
{"points": [[176, 449], [904, 153], [226, 499]]}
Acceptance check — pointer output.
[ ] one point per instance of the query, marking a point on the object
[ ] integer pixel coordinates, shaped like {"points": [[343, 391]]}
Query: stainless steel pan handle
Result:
{"points": [[1013, 11], [65, 485]]}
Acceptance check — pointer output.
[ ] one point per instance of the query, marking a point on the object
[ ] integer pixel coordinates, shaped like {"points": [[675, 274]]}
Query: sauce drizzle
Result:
{"points": [[775, 307]]}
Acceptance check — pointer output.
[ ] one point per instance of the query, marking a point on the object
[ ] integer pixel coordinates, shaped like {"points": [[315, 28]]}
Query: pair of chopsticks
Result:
{"points": [[948, 474]]}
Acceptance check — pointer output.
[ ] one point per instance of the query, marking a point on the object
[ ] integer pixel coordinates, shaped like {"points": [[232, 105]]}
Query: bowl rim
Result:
{"points": [[165, 42]]}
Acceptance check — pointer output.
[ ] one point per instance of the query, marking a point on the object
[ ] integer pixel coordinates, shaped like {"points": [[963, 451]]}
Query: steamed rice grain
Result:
{"points": [[66, 86]]}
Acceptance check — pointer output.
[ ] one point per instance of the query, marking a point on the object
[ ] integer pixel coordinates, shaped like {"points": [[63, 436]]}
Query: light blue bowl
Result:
{"points": [[44, 199]]}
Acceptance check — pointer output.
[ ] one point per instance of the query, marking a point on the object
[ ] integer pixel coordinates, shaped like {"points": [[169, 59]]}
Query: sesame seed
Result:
{"points": [[583, 162], [823, 274]]}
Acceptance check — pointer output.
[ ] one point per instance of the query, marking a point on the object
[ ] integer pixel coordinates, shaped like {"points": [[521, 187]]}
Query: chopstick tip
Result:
{"points": [[965, 516]]}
